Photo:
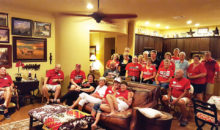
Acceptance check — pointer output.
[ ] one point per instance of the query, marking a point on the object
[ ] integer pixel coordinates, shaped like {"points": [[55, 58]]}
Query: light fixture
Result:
{"points": [[147, 23], [157, 25], [89, 6], [92, 57], [189, 22], [167, 27], [197, 24]]}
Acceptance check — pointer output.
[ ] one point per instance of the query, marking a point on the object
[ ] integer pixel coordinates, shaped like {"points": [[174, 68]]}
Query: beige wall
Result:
{"points": [[38, 16]]}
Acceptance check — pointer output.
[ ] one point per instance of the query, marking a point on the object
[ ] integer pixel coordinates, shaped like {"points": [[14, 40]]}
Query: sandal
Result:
{"points": [[3, 107]]}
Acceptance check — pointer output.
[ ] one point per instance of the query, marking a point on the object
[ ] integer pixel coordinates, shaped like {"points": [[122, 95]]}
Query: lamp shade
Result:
{"points": [[92, 57]]}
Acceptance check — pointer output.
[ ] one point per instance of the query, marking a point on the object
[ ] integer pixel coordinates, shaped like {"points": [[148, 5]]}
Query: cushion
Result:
{"points": [[150, 113]]}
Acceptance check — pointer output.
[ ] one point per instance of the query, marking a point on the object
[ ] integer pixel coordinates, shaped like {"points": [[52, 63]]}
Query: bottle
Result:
{"points": [[35, 76], [29, 75]]}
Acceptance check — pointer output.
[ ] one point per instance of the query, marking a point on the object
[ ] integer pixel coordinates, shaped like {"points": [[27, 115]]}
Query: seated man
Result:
{"points": [[77, 77], [118, 101], [52, 83], [177, 94], [6, 86], [95, 97], [112, 72]]}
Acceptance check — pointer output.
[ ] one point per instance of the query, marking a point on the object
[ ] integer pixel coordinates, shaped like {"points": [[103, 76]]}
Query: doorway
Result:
{"points": [[109, 49]]}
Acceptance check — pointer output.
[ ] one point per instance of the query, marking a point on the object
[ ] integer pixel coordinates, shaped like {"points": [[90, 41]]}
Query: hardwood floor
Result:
{"points": [[23, 114]]}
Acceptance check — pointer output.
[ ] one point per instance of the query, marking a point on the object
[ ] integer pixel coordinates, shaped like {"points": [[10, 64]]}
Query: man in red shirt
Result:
{"points": [[212, 68], [133, 69], [177, 94], [6, 86], [77, 77], [52, 82]]}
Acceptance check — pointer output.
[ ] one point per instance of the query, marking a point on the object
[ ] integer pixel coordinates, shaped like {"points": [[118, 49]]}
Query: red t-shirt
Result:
{"points": [[197, 70], [123, 94], [172, 65], [109, 62], [77, 76], [133, 69], [5, 81], [108, 91], [164, 74], [175, 58], [178, 86], [212, 66], [148, 72], [51, 74]]}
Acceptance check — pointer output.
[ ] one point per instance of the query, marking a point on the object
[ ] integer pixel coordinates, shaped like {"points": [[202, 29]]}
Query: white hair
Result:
{"points": [[182, 53]]}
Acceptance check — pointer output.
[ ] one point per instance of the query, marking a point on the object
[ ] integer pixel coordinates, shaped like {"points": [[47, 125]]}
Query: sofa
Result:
{"points": [[145, 95]]}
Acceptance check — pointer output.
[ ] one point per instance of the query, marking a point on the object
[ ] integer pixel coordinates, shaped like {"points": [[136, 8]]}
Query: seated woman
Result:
{"points": [[148, 72], [95, 97], [114, 59], [112, 72], [87, 87], [168, 56], [164, 75], [119, 101]]}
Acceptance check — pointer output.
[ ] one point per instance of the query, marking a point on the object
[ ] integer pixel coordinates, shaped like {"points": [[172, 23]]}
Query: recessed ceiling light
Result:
{"points": [[197, 24], [89, 6], [147, 23], [189, 22], [157, 25], [167, 27]]}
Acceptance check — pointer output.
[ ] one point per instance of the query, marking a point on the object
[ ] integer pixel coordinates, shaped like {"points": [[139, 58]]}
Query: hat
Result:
{"points": [[118, 79], [78, 65], [102, 78]]}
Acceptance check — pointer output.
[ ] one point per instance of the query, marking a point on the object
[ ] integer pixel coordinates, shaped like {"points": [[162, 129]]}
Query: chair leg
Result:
{"points": [[199, 126], [31, 123]]}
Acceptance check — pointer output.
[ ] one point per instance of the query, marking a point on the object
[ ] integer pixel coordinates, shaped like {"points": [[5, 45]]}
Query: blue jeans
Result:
{"points": [[162, 85]]}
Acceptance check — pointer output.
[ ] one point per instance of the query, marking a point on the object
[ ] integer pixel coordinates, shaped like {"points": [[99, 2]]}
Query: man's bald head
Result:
{"points": [[2, 70], [179, 74], [57, 67]]}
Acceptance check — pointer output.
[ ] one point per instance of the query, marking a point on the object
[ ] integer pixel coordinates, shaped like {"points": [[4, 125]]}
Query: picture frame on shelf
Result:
{"points": [[4, 35], [27, 49], [3, 19], [21, 26], [41, 29], [5, 56]]}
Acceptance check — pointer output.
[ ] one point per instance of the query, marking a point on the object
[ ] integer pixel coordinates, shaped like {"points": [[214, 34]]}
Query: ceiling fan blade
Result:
{"points": [[108, 21], [120, 16], [72, 14]]}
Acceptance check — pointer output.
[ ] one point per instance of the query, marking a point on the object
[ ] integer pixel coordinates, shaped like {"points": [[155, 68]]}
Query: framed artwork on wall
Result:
{"points": [[41, 29], [5, 56], [3, 19], [4, 35], [29, 49], [21, 27]]}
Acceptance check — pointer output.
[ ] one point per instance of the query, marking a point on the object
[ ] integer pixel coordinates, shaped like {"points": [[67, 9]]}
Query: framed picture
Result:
{"points": [[92, 53], [21, 27], [3, 19], [41, 29], [29, 49], [5, 56], [4, 36]]}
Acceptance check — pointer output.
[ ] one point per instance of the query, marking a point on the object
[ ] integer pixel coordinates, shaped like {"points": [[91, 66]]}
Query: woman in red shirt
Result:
{"points": [[167, 55], [141, 60], [114, 58], [133, 70], [164, 75], [196, 72], [148, 72]]}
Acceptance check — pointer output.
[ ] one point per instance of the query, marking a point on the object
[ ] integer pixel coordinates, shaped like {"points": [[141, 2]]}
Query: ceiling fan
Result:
{"points": [[99, 16]]}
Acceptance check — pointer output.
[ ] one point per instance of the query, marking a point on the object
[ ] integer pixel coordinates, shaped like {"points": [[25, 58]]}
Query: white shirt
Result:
{"points": [[101, 90]]}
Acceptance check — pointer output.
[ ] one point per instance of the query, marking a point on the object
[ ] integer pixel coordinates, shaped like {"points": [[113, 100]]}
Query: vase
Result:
{"points": [[18, 79]]}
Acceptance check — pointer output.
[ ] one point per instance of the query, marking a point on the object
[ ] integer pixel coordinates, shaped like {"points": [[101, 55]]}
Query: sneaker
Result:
{"points": [[7, 116], [183, 123]]}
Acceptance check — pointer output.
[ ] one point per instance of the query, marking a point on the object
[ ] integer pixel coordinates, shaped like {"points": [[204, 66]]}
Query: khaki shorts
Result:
{"points": [[185, 99], [52, 87], [210, 88]]}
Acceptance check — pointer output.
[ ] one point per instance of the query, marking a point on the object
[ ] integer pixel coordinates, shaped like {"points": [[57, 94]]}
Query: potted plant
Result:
{"points": [[18, 76]]}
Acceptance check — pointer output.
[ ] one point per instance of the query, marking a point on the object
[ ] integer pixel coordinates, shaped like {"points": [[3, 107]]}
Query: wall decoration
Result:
{"points": [[21, 27], [3, 19], [32, 67], [4, 36], [41, 29], [29, 49], [51, 58], [92, 53], [5, 56]]}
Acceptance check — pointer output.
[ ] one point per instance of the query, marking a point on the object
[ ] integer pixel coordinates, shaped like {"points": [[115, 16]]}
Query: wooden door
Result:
{"points": [[109, 49]]}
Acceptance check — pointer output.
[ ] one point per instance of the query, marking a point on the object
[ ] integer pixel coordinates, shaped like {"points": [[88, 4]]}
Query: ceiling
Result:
{"points": [[204, 12]]}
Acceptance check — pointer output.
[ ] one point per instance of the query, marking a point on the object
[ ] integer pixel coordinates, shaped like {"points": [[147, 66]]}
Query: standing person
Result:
{"points": [[6, 86], [164, 75], [155, 61], [196, 72], [212, 68], [133, 70], [95, 97], [141, 60], [182, 63], [77, 77], [126, 50], [148, 72], [168, 56], [123, 64], [87, 87], [52, 82], [175, 56], [177, 94], [145, 56], [114, 59]]}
